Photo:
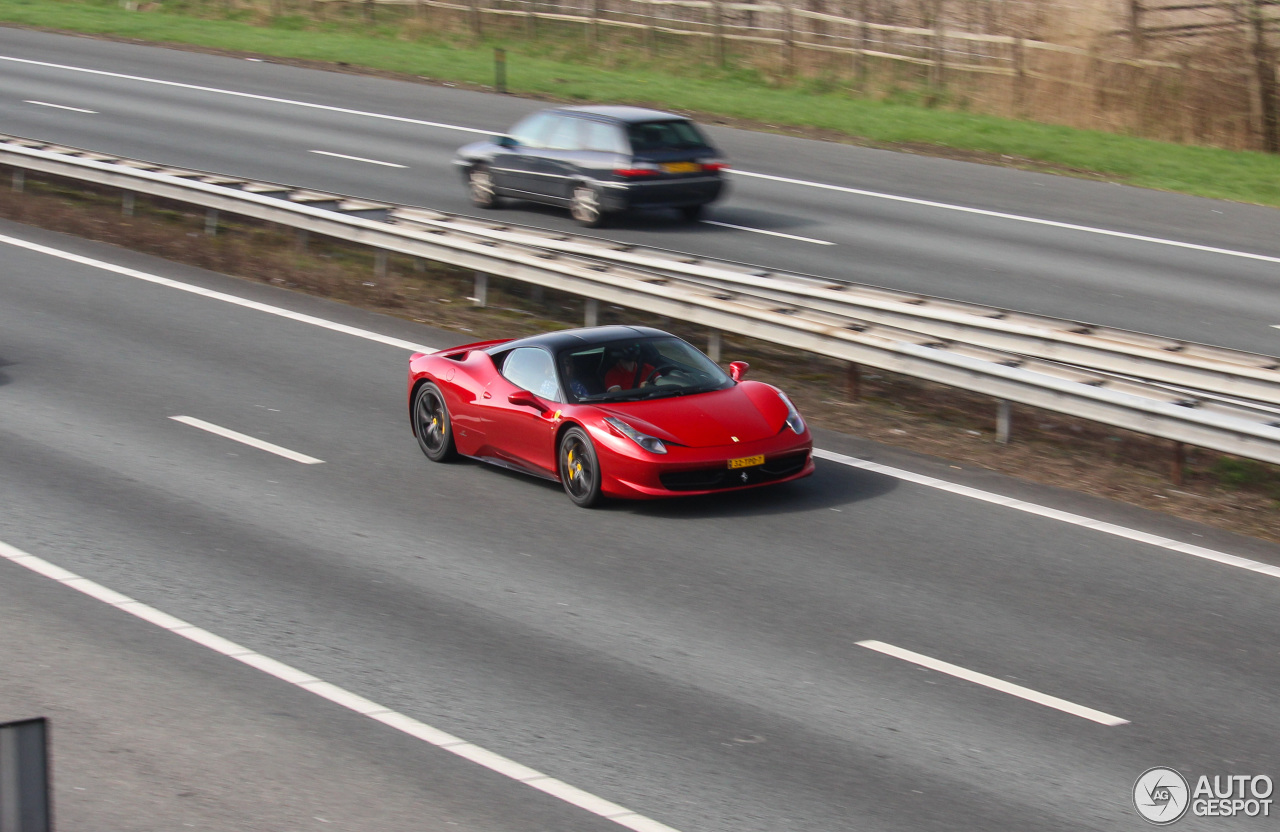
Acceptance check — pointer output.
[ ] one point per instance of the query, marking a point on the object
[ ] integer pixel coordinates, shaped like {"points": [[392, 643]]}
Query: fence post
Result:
{"points": [[1019, 77], [1265, 83], [788, 38], [477, 26], [500, 70], [938, 78], [718, 23], [1135, 26], [594, 31], [864, 38]]}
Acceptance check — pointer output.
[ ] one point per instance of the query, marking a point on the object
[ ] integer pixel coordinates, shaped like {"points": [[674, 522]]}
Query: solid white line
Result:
{"points": [[1124, 235], [358, 159], [1053, 514], [250, 95], [995, 684], [784, 179], [61, 107], [222, 296], [831, 456], [572, 795], [770, 233], [247, 440]]}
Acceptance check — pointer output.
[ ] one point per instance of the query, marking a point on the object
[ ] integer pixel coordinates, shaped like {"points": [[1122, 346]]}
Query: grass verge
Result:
{"points": [[562, 69], [1236, 494]]}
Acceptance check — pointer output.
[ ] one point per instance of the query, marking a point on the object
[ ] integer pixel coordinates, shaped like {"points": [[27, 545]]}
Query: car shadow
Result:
{"points": [[831, 486], [667, 220]]}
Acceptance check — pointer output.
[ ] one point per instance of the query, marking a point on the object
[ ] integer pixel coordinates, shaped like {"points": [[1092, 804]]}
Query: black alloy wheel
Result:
{"points": [[483, 192], [579, 468], [432, 425]]}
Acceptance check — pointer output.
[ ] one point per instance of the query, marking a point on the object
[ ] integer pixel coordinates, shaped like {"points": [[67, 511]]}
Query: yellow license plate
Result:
{"points": [[681, 167], [747, 461]]}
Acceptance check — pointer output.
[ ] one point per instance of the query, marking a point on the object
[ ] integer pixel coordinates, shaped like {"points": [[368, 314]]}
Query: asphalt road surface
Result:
{"points": [[718, 665], [843, 212]]}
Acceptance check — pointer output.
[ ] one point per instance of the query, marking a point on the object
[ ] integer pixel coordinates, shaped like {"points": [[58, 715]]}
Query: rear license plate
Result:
{"points": [[681, 167], [747, 461]]}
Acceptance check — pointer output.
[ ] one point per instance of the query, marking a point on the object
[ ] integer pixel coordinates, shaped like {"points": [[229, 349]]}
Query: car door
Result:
{"points": [[516, 167], [558, 164], [523, 434]]}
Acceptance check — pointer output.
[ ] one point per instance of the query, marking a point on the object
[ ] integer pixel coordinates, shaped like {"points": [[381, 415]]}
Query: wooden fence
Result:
{"points": [[1126, 76]]}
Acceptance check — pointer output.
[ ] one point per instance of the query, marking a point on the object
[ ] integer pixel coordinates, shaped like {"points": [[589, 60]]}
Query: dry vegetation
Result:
{"points": [[1236, 494]]}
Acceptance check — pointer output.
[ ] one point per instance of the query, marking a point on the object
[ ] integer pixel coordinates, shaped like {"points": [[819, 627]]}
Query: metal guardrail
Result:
{"points": [[1205, 396]]}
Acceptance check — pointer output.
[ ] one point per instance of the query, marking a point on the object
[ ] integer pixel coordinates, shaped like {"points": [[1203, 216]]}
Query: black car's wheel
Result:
{"points": [[585, 206], [432, 425], [692, 213], [480, 183], [579, 468]]}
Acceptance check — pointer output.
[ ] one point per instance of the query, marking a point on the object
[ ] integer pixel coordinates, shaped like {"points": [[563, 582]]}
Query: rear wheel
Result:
{"points": [[692, 213], [432, 425], [579, 468], [586, 207], [480, 183]]}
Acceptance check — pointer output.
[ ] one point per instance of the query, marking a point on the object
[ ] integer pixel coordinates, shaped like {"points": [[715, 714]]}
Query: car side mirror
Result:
{"points": [[523, 398], [505, 141], [738, 370]]}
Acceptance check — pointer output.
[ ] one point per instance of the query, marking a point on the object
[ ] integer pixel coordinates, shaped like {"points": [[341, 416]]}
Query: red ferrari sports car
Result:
{"points": [[614, 411]]}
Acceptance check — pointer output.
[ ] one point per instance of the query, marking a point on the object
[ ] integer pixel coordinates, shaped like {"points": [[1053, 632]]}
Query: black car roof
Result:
{"points": [[556, 341], [627, 114]]}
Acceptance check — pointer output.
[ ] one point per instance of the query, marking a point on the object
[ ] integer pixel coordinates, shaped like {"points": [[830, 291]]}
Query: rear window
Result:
{"points": [[665, 135]]}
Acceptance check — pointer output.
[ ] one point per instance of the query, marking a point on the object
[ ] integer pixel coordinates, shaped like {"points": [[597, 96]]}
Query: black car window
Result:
{"points": [[606, 138], [564, 134], [532, 131], [665, 135], [530, 368]]}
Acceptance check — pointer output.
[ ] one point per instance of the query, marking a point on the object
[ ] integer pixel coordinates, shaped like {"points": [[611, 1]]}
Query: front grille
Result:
{"points": [[710, 479]]}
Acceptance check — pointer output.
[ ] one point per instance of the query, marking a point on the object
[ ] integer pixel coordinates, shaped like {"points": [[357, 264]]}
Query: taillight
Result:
{"points": [[637, 171], [714, 165]]}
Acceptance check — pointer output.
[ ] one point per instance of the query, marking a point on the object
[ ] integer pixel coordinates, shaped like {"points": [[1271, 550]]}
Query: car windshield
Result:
{"points": [[664, 135], [636, 369]]}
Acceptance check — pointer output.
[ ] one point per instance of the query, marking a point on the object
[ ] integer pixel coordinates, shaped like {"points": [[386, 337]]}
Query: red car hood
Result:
{"points": [[747, 412]]}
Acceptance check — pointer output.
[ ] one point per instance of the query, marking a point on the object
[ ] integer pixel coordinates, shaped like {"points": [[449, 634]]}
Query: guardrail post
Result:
{"points": [[853, 382], [500, 70], [380, 262], [713, 345], [300, 239], [19, 179], [591, 312], [211, 222], [1178, 463], [1004, 417], [481, 296], [126, 204], [24, 777]]}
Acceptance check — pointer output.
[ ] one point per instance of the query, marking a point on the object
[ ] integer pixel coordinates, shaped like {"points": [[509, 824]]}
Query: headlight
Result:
{"points": [[652, 444], [793, 416]]}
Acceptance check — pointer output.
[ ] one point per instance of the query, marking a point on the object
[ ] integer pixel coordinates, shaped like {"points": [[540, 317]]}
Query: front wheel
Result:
{"points": [[586, 207], [483, 192], [579, 468], [432, 425]]}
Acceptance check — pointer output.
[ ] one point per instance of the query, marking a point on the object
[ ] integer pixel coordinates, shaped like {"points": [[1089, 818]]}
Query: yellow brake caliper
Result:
{"points": [[575, 470]]}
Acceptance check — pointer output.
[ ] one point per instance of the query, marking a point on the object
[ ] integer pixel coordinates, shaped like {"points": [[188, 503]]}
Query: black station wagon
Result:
{"points": [[597, 161]]}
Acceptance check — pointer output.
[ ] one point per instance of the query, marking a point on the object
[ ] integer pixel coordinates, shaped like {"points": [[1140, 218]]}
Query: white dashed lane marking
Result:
{"points": [[358, 159], [62, 107], [245, 439], [770, 233], [994, 683]]}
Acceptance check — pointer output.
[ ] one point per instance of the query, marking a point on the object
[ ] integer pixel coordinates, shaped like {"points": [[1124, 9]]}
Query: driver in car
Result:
{"points": [[627, 373]]}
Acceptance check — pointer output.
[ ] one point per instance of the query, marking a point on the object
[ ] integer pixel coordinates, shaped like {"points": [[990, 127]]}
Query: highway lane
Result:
{"points": [[999, 260], [697, 661]]}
